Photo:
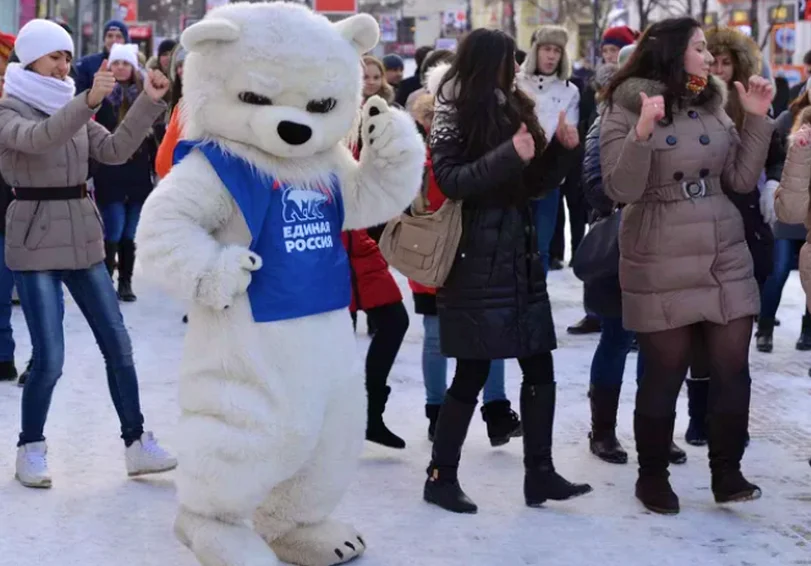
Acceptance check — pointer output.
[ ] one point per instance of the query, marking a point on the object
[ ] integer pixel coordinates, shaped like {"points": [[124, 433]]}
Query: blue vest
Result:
{"points": [[295, 230]]}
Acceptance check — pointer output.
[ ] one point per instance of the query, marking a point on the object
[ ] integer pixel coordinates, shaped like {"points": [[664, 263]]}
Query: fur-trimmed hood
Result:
{"points": [[549, 35], [742, 47], [627, 94]]}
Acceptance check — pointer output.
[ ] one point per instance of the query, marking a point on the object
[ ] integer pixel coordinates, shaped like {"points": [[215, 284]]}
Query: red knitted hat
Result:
{"points": [[620, 36], [6, 44]]}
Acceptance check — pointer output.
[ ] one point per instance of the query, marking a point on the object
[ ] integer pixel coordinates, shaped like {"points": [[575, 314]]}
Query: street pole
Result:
{"points": [[596, 39]]}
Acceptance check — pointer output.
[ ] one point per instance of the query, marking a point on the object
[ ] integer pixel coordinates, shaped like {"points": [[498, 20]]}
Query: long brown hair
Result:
{"points": [[386, 91], [489, 110], [136, 79]]}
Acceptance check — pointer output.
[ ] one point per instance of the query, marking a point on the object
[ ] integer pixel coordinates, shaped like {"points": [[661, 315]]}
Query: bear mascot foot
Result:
{"points": [[322, 544], [216, 543]]}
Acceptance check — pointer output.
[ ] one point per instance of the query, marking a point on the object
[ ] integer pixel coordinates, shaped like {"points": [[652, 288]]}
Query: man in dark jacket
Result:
{"points": [[412, 83], [87, 67]]}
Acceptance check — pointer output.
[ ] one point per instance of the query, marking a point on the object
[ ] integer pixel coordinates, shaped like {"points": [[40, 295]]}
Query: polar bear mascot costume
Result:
{"points": [[247, 228]]}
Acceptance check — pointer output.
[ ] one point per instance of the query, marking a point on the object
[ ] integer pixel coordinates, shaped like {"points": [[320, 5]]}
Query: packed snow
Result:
{"points": [[95, 516]]}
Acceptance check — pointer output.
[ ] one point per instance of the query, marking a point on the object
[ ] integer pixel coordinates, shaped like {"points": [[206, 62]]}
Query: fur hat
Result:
{"points": [[742, 47], [620, 36], [549, 35]]}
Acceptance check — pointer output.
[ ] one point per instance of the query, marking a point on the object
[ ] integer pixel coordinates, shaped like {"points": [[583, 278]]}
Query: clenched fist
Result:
{"points": [[156, 85], [653, 110], [524, 144], [103, 84]]}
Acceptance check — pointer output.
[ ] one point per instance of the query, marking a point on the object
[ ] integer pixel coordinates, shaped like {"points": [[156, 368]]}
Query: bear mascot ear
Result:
{"points": [[214, 29], [360, 30]]}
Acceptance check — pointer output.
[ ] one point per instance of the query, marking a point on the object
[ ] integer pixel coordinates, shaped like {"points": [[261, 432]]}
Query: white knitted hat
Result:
{"points": [[38, 38], [124, 52]]}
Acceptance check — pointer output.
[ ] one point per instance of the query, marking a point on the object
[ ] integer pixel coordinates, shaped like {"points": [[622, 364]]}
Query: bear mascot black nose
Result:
{"points": [[294, 134]]}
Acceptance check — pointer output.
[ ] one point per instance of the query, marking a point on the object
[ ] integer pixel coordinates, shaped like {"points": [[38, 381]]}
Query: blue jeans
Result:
{"points": [[545, 211], [786, 255], [6, 287], [43, 304], [435, 368], [120, 220], [608, 364]]}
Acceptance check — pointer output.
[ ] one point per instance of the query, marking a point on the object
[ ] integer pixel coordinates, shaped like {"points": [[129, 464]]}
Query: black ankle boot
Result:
{"points": [[677, 455], [603, 436], [502, 422], [432, 412], [24, 375], [727, 441], [765, 331], [376, 429], [697, 395], [8, 372], [541, 481], [126, 264], [587, 325], [653, 439], [442, 486]]}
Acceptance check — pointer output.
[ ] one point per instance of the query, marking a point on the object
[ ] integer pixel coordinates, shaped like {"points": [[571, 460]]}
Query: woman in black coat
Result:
{"points": [[120, 190], [494, 304]]}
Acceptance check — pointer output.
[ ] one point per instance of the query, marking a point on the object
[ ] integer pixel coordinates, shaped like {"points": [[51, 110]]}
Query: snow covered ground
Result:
{"points": [[95, 516]]}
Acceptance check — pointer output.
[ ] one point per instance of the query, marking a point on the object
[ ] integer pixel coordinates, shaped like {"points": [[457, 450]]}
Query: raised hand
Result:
{"points": [[758, 99], [524, 144], [653, 110], [156, 85], [802, 137], [567, 134], [103, 84]]}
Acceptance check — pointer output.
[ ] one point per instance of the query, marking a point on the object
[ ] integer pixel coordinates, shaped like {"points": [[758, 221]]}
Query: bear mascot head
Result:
{"points": [[290, 87]]}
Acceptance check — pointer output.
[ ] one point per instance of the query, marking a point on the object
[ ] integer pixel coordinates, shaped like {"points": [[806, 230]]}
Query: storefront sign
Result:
{"points": [[711, 19], [336, 6], [781, 15], [739, 18]]}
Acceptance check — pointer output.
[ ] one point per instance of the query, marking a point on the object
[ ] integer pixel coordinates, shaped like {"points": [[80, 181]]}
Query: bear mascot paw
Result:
{"points": [[247, 228]]}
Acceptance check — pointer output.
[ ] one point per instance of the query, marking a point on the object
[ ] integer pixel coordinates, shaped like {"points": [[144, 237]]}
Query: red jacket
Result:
{"points": [[435, 198], [372, 283]]}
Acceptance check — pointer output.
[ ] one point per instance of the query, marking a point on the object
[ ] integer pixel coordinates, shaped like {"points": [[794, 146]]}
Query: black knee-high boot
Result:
{"points": [[653, 439], [110, 252], [603, 436], [697, 396], [541, 481], [126, 264], [727, 436], [442, 486]]}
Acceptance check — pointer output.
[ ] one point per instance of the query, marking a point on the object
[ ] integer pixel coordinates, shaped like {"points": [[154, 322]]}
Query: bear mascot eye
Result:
{"points": [[321, 106], [253, 98]]}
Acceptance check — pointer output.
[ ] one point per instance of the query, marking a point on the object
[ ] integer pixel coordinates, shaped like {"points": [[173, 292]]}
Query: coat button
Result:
{"points": [[678, 176], [693, 114], [704, 139], [671, 140], [703, 173]]}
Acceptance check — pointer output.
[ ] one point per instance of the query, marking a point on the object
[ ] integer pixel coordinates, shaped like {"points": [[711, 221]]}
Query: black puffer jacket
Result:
{"points": [[130, 182], [602, 297], [494, 304]]}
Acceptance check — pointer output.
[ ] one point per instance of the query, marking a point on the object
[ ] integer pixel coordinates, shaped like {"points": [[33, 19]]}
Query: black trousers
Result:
{"points": [[471, 375], [391, 324]]}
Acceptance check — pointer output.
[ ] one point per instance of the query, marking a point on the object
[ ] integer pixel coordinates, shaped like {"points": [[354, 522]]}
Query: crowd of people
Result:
{"points": [[674, 147]]}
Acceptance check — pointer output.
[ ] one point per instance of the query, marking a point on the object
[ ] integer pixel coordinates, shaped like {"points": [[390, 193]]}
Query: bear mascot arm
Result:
{"points": [[387, 177]]}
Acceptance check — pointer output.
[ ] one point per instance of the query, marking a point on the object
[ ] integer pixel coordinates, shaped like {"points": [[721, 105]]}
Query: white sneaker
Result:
{"points": [[32, 465], [145, 456]]}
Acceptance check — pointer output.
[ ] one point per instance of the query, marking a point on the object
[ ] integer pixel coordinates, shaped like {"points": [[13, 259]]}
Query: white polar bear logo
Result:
{"points": [[300, 205], [272, 420]]}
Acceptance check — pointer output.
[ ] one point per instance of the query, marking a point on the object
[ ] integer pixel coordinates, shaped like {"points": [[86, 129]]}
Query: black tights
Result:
{"points": [[391, 323], [471, 375], [668, 355]]}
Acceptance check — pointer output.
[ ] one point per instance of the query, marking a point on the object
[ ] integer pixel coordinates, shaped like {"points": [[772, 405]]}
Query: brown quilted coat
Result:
{"points": [[791, 198], [683, 254]]}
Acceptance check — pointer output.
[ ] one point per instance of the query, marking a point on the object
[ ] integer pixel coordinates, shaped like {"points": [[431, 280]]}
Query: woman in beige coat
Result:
{"points": [[54, 232], [791, 198], [667, 148]]}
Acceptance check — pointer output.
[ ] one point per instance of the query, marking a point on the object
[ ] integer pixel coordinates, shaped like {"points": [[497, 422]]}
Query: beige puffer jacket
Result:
{"points": [[683, 253], [41, 151], [791, 198]]}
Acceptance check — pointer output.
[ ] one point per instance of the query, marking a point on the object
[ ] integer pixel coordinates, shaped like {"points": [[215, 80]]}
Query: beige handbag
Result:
{"points": [[422, 245]]}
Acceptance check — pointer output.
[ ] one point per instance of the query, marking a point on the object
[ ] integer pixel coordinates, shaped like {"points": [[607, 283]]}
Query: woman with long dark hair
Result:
{"points": [[669, 150], [489, 151], [121, 190]]}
